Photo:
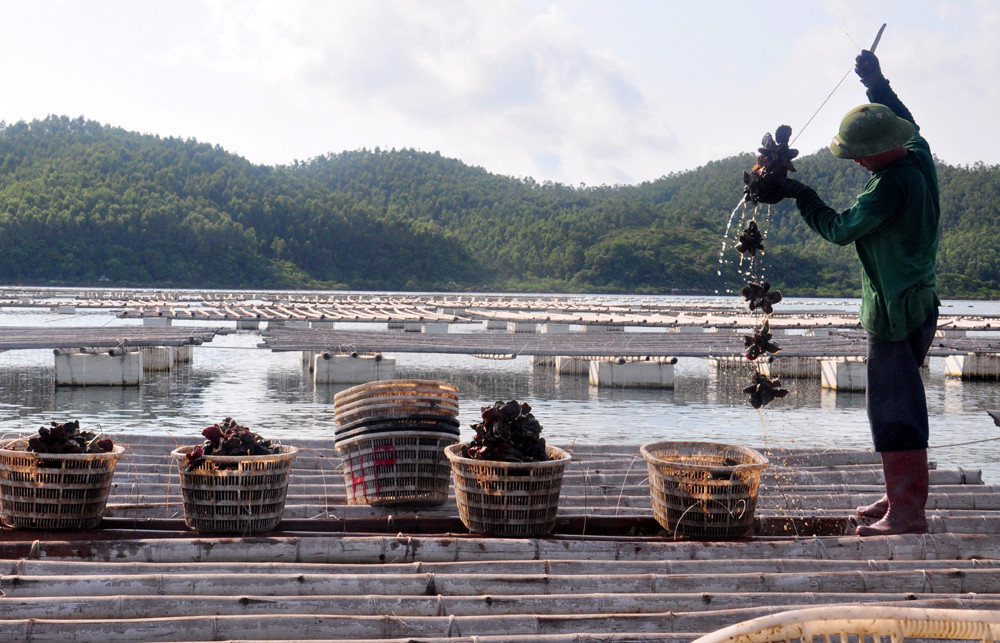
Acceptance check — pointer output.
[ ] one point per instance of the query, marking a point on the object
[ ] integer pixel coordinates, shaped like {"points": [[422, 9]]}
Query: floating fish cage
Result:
{"points": [[392, 435], [54, 491], [509, 499], [234, 494], [704, 490]]}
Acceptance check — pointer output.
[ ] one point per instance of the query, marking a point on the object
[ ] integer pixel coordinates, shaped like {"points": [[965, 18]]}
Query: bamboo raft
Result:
{"points": [[336, 572], [64, 337], [652, 344], [664, 316], [505, 345], [274, 306]]}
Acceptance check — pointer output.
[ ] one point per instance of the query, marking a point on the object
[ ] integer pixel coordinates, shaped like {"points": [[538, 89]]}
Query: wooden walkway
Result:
{"points": [[334, 572]]}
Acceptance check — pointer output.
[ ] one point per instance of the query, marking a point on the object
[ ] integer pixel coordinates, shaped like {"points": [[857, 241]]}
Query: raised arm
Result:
{"points": [[867, 67]]}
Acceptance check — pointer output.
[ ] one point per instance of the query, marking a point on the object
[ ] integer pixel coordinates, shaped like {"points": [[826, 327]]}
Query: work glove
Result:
{"points": [[867, 68], [772, 188], [791, 188], [769, 189]]}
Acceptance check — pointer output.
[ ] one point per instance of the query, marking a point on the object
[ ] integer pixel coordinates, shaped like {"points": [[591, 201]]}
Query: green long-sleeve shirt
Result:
{"points": [[894, 228]]}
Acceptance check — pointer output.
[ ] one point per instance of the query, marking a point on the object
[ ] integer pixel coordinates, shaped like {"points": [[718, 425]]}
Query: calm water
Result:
{"points": [[270, 393]]}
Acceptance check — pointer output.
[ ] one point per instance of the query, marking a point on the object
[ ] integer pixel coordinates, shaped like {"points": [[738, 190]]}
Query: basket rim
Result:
{"points": [[448, 387], [344, 413], [396, 428], [428, 420], [646, 451], [114, 454], [411, 392], [286, 453], [452, 452]]}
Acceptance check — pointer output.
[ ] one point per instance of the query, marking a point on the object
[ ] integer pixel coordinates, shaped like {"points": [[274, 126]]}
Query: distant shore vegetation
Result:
{"points": [[86, 204]]}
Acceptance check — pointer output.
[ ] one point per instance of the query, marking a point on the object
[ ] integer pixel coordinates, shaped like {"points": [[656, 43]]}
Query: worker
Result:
{"points": [[894, 228]]}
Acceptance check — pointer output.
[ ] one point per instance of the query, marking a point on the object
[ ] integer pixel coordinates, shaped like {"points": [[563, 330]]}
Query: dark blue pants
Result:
{"points": [[897, 406]]}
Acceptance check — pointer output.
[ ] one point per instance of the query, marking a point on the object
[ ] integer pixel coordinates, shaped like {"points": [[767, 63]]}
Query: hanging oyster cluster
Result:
{"points": [[774, 161], [760, 342], [760, 296], [751, 240], [763, 390]]}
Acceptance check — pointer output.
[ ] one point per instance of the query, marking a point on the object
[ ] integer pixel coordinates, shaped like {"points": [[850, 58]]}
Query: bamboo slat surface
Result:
{"points": [[335, 572]]}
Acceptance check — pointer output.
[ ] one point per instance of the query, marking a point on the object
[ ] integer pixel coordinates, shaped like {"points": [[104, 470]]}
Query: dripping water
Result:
{"points": [[725, 236], [752, 270]]}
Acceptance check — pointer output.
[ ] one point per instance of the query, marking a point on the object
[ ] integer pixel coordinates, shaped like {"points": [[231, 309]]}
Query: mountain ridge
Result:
{"points": [[82, 202]]}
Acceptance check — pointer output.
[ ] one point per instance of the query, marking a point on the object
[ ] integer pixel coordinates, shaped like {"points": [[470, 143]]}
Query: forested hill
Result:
{"points": [[83, 203]]}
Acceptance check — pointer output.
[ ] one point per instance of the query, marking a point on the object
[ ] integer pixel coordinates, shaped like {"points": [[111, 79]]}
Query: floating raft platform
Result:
{"points": [[335, 572], [308, 306], [665, 316], [64, 337], [629, 344]]}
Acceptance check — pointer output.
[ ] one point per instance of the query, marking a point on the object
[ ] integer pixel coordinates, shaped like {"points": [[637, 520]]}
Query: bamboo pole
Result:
{"points": [[401, 549], [330, 489], [288, 627], [321, 497], [117, 607], [30, 567], [331, 506], [774, 478], [925, 582]]}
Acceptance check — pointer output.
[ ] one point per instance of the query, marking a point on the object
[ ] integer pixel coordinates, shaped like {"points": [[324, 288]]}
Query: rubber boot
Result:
{"points": [[875, 510], [906, 481]]}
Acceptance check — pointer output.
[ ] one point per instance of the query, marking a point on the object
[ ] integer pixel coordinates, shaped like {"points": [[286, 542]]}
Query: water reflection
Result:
{"points": [[841, 400]]}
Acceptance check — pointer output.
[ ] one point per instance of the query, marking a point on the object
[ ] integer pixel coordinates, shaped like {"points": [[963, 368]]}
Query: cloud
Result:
{"points": [[947, 76], [493, 83], [565, 90]]}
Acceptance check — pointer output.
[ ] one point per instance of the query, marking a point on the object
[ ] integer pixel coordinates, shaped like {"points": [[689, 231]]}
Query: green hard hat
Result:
{"points": [[868, 130]]}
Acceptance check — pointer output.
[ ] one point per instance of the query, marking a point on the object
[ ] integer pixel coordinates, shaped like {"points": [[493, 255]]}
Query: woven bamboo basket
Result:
{"points": [[864, 623], [235, 494], [704, 490], [393, 468], [54, 491], [512, 499], [397, 398]]}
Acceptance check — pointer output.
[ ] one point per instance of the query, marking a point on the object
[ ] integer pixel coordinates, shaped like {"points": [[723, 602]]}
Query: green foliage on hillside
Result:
{"points": [[83, 203]]}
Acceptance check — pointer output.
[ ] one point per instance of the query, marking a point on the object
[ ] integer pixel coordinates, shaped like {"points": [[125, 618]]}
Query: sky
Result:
{"points": [[594, 92]]}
